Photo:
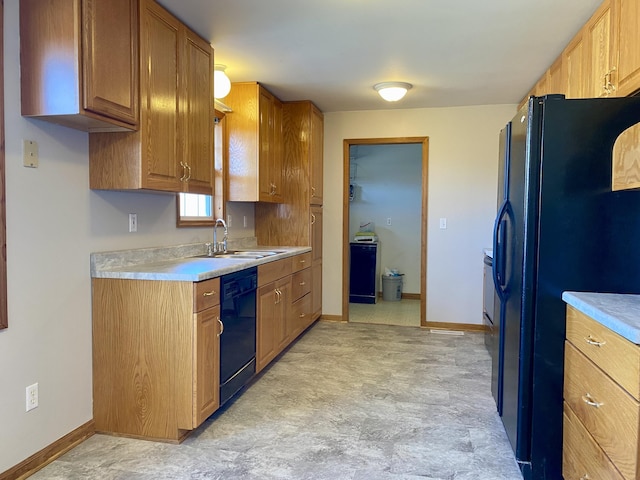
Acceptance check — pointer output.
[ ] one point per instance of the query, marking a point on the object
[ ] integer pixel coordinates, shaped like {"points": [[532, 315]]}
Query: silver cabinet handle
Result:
{"points": [[592, 341], [208, 294], [221, 326], [589, 400]]}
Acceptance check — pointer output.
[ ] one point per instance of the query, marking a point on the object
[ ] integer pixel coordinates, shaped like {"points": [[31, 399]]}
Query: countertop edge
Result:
{"points": [[191, 269], [618, 312]]}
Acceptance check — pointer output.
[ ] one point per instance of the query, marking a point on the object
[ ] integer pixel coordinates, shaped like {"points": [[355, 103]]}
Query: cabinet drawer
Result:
{"points": [[206, 294], [301, 314], [270, 272], [617, 356], [301, 261], [300, 283], [581, 455], [609, 413]]}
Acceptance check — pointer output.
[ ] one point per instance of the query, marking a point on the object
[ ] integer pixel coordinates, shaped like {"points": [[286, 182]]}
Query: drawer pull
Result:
{"points": [[208, 294], [221, 326], [302, 315], [588, 399], [592, 341], [585, 477], [302, 284], [303, 261]]}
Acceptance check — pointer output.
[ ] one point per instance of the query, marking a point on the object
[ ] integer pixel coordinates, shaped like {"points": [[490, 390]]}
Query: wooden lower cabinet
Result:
{"points": [[156, 356], [601, 407], [273, 316], [283, 305]]}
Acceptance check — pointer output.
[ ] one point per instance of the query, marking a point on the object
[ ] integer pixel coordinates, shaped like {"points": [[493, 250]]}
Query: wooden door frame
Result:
{"points": [[346, 147]]}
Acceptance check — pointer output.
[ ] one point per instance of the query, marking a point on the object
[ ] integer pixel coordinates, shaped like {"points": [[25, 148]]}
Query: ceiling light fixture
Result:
{"points": [[221, 83], [392, 91]]}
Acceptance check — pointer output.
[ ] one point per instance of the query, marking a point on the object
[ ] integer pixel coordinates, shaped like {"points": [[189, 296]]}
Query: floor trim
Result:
{"points": [[465, 327], [48, 454], [330, 318]]}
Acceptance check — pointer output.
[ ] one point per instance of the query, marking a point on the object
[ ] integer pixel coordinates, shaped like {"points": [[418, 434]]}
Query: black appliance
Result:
{"points": [[238, 338], [364, 272], [559, 227]]}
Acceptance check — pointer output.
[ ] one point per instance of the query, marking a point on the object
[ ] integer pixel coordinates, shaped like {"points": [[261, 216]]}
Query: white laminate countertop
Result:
{"points": [[177, 263], [618, 312]]}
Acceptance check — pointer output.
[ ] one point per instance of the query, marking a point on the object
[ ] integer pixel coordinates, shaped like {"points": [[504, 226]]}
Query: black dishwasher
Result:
{"points": [[238, 337]]}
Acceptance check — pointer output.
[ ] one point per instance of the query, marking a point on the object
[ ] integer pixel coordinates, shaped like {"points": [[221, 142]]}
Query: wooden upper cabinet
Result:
{"points": [[254, 131], [79, 63], [198, 112], [316, 155], [173, 150], [600, 52], [556, 77], [573, 60], [627, 39]]}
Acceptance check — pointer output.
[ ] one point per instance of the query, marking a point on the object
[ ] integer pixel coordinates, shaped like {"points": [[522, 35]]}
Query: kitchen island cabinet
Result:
{"points": [[601, 386], [156, 357], [173, 150], [79, 63], [255, 144]]}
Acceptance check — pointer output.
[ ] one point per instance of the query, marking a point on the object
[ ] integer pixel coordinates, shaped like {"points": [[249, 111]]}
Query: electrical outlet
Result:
{"points": [[228, 221], [32, 396], [389, 221], [443, 223], [133, 222], [244, 221]]}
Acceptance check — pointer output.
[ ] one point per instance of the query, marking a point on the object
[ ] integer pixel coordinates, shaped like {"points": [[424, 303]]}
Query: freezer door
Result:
{"points": [[518, 261]]}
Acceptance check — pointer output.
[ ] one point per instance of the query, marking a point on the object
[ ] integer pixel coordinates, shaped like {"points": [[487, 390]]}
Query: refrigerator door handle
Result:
{"points": [[498, 250]]}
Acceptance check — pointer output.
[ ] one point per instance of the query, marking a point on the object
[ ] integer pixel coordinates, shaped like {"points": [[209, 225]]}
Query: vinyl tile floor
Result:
{"points": [[346, 401], [405, 312]]}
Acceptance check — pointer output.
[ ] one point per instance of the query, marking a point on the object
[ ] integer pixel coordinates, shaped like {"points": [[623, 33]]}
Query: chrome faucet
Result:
{"points": [[222, 246]]}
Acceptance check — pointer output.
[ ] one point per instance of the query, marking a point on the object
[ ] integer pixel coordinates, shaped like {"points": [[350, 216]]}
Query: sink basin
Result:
{"points": [[243, 254]]}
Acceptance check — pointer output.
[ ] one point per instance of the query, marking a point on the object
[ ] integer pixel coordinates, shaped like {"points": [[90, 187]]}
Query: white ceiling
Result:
{"points": [[454, 52]]}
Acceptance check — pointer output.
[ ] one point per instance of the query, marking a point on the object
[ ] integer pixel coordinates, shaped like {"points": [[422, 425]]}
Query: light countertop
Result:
{"points": [[618, 312], [177, 263]]}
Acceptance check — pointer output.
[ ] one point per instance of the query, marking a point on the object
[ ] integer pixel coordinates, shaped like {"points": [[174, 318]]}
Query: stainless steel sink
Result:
{"points": [[243, 254]]}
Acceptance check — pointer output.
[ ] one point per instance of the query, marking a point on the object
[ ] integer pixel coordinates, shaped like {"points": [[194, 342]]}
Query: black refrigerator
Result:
{"points": [[559, 227]]}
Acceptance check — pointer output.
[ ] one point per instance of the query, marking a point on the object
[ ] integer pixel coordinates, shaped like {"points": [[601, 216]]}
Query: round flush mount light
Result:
{"points": [[221, 83], [392, 91]]}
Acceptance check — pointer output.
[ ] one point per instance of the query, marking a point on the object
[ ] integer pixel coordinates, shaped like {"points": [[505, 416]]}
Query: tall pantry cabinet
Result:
{"points": [[298, 221]]}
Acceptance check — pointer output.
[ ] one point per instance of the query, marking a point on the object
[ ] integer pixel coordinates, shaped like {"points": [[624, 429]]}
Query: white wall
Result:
{"points": [[53, 223], [463, 168], [388, 184]]}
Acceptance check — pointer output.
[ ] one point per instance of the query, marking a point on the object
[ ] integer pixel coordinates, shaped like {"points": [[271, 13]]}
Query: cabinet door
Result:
{"points": [[627, 32], [573, 65], [160, 79], [284, 323], [197, 115], [110, 58], [266, 320], [206, 356], [265, 132], [556, 83], [316, 152], [276, 162], [316, 234], [600, 52]]}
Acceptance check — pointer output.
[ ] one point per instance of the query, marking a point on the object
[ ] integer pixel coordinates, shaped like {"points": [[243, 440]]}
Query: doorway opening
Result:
{"points": [[348, 192]]}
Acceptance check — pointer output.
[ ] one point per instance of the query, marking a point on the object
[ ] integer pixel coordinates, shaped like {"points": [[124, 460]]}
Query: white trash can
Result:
{"points": [[391, 288]]}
